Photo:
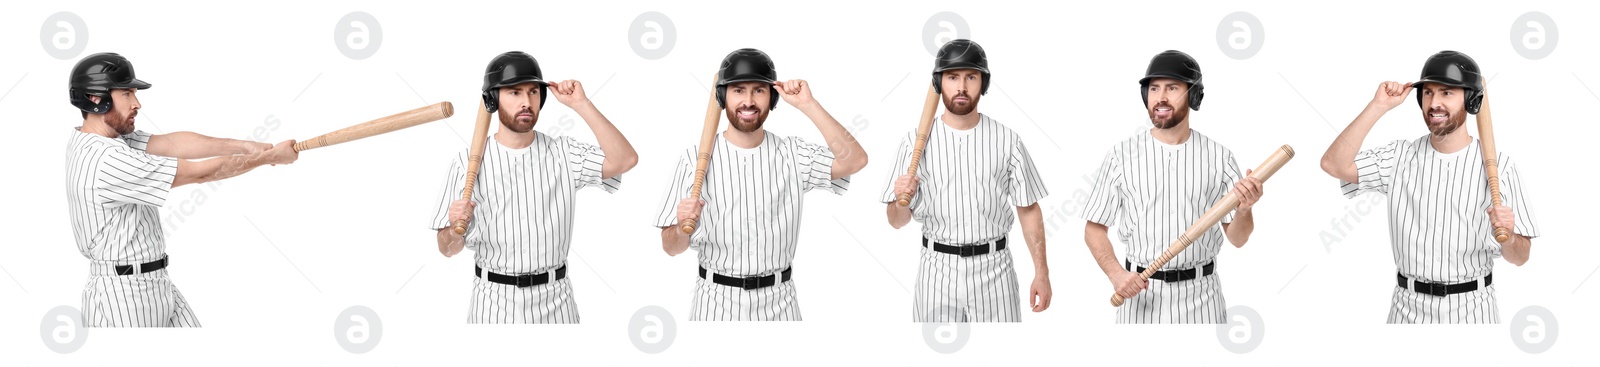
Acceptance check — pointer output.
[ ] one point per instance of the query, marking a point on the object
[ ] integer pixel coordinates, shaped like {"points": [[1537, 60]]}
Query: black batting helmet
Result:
{"points": [[98, 75], [1176, 65], [746, 65], [961, 54], [1457, 70], [508, 69]]}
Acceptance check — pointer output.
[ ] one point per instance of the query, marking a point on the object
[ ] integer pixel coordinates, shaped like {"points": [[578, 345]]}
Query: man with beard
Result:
{"points": [[528, 182], [977, 172], [1155, 185], [749, 207], [1441, 218], [117, 180]]}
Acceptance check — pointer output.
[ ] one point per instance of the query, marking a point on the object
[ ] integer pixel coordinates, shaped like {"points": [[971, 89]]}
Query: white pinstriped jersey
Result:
{"points": [[1151, 192], [751, 221], [971, 181], [1438, 207], [114, 194], [525, 200]]}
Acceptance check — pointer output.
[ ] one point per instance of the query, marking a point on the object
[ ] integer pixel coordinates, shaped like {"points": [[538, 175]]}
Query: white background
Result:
{"points": [[269, 259]]}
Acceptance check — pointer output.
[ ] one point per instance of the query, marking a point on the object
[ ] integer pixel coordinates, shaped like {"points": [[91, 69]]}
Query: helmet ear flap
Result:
{"points": [[544, 93], [940, 88], [722, 96], [984, 90], [1474, 101], [491, 100], [1197, 92]]}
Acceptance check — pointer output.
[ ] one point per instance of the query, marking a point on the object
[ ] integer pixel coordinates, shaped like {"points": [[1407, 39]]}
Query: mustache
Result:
{"points": [[1162, 104]]}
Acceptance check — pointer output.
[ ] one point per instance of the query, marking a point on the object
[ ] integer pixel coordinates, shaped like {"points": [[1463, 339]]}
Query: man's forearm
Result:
{"points": [[189, 145], [620, 156]]}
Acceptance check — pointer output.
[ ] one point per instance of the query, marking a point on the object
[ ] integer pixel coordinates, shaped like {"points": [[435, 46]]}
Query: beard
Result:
{"points": [[961, 108], [1171, 120], [518, 123], [1450, 123], [739, 123], [123, 124]]}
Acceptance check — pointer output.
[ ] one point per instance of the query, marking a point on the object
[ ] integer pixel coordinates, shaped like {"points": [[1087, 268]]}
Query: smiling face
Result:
{"points": [[519, 107], [1443, 108], [124, 108], [1168, 102], [961, 89], [747, 104]]}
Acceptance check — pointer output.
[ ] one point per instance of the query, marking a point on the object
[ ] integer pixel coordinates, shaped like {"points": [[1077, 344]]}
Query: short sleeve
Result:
{"points": [[1374, 170], [1024, 183], [815, 164], [1515, 197], [449, 192], [129, 176], [1105, 201], [586, 161], [677, 189], [1230, 175], [902, 162]]}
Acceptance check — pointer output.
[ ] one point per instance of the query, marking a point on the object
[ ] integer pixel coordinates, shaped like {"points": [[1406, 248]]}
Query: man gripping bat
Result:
{"points": [[1442, 212], [1152, 187], [117, 180], [748, 213], [520, 213], [972, 174]]}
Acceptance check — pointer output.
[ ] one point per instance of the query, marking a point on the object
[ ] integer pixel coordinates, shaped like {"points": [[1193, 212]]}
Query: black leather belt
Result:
{"points": [[1441, 289], [750, 282], [1174, 275], [966, 251], [524, 280], [142, 268]]}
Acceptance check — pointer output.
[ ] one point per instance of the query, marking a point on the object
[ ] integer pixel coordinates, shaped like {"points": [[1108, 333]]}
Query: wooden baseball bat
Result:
{"points": [[480, 135], [930, 107], [708, 136], [380, 126], [1212, 216], [1491, 164]]}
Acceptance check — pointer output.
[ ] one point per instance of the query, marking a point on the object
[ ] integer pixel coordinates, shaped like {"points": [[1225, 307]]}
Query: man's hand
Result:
{"points": [[1391, 95], [569, 92]]}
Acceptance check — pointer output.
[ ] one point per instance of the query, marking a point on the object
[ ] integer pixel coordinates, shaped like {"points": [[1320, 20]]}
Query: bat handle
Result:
{"points": [[905, 200], [1116, 300], [1501, 234], [688, 226], [461, 227]]}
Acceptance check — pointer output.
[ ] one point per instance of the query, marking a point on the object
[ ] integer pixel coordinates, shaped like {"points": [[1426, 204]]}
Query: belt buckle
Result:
{"points": [[1435, 289], [969, 251], [524, 281], [750, 283]]}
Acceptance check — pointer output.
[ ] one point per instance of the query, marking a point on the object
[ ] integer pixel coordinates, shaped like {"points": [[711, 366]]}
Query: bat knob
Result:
{"points": [[1502, 235], [905, 200], [688, 226], [1116, 300], [460, 228]]}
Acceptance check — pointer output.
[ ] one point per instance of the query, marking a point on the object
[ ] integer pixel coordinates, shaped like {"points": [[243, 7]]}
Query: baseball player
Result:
{"points": [[749, 208], [1152, 187], [528, 184], [1441, 220], [977, 171], [117, 180]]}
